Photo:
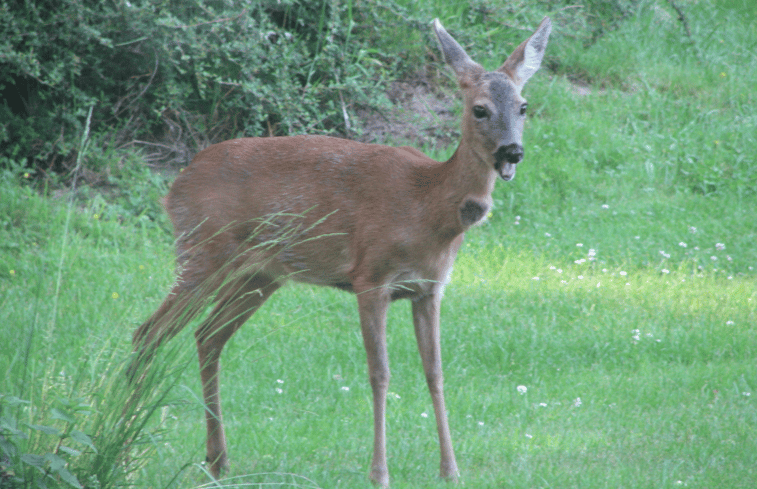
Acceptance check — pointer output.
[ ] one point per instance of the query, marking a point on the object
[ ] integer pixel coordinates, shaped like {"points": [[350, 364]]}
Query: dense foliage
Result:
{"points": [[176, 73], [172, 76]]}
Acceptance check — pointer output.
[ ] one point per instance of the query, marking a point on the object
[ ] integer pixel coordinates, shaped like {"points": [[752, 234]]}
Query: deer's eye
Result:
{"points": [[523, 109], [480, 112]]}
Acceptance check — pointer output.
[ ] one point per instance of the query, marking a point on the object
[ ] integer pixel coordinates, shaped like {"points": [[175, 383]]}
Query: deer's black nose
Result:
{"points": [[512, 153]]}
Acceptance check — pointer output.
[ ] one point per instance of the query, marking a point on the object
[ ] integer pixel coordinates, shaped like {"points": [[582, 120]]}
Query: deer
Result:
{"points": [[384, 223]]}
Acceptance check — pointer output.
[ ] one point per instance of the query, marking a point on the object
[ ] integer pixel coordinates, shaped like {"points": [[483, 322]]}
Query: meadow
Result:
{"points": [[600, 328]]}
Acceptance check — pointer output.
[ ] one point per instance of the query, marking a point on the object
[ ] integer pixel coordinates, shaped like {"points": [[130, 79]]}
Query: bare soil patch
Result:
{"points": [[420, 115]]}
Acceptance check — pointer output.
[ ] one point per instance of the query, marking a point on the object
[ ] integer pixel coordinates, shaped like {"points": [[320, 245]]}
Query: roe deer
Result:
{"points": [[385, 223]]}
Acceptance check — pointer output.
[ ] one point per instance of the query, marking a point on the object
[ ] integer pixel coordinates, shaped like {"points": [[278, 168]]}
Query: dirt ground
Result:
{"points": [[419, 116]]}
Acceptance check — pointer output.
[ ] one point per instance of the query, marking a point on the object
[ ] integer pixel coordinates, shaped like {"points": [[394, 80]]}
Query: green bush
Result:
{"points": [[172, 76], [178, 74]]}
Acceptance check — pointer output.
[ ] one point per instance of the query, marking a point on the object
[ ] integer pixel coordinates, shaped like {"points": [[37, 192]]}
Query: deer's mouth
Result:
{"points": [[506, 170]]}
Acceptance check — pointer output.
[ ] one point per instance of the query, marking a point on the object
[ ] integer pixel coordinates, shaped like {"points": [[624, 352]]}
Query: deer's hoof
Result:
{"points": [[380, 477], [218, 466], [450, 474]]}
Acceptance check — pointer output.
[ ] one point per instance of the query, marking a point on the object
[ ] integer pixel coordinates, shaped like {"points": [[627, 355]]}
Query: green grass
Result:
{"points": [[618, 268]]}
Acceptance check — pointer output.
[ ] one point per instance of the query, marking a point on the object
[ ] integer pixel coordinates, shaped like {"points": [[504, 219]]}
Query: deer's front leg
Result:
{"points": [[426, 321], [373, 305]]}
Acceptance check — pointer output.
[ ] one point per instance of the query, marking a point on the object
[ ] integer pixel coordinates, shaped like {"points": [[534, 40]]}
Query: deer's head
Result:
{"points": [[494, 109]]}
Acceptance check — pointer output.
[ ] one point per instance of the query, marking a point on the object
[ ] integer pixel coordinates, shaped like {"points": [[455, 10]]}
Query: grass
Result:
{"points": [[614, 280]]}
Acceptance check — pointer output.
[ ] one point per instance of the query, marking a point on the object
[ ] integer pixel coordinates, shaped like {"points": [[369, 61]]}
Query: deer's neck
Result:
{"points": [[472, 179], [462, 196]]}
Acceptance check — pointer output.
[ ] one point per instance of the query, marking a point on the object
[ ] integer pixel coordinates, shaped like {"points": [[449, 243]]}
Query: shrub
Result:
{"points": [[178, 75]]}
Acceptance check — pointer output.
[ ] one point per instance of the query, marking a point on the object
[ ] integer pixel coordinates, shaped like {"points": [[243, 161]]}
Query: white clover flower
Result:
{"points": [[279, 390], [623, 274], [605, 206], [682, 244], [719, 246], [522, 389], [580, 245], [692, 229], [577, 402], [665, 270], [424, 415], [345, 388]]}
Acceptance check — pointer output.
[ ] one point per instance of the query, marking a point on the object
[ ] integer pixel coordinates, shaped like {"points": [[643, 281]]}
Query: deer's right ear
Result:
{"points": [[455, 55]]}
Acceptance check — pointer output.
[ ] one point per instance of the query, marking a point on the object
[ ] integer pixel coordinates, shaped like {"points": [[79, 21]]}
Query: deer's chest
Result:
{"points": [[472, 211]]}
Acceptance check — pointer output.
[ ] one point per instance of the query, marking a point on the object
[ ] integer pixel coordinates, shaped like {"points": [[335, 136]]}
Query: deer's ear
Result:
{"points": [[526, 58], [455, 56]]}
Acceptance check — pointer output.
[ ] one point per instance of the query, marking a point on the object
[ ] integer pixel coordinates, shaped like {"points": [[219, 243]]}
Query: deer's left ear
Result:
{"points": [[526, 58]]}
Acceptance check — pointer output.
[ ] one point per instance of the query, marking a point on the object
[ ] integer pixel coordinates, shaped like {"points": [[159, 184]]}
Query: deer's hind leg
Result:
{"points": [[201, 273], [237, 301], [182, 304]]}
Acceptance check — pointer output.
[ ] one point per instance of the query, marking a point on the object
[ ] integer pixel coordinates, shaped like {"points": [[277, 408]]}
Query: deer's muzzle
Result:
{"points": [[512, 153], [505, 159]]}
